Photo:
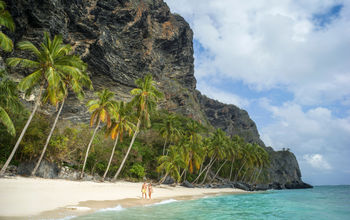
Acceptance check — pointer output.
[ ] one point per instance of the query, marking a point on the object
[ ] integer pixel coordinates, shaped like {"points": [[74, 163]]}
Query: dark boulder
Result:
{"points": [[224, 185], [276, 185], [169, 180], [297, 185], [261, 187], [45, 170], [244, 186], [187, 184], [11, 170]]}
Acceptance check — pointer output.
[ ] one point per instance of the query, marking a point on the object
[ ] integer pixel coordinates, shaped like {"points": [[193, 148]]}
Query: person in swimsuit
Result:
{"points": [[150, 191], [143, 190]]}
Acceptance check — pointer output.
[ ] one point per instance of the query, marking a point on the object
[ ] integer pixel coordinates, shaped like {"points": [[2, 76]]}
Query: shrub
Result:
{"points": [[137, 171]]}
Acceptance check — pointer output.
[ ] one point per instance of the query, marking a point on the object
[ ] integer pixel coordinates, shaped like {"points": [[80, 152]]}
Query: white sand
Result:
{"points": [[30, 196]]}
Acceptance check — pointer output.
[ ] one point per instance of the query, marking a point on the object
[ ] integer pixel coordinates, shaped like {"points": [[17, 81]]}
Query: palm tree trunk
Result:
{"points": [[88, 148], [183, 172], [164, 146], [201, 167], [48, 139], [208, 170], [256, 179], [37, 103], [127, 153], [253, 174], [217, 172], [163, 179], [110, 159], [233, 160], [245, 172], [236, 176], [200, 173]]}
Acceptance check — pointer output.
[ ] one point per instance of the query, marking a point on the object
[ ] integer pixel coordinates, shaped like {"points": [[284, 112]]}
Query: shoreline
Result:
{"points": [[38, 198]]}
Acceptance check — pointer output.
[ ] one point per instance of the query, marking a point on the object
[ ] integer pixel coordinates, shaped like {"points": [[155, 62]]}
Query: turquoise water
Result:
{"points": [[321, 202]]}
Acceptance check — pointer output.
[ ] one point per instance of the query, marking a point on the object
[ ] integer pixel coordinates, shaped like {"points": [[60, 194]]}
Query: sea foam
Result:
{"points": [[117, 208], [165, 202], [67, 217]]}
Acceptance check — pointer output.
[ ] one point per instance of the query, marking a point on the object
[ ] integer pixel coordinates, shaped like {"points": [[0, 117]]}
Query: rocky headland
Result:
{"points": [[122, 40]]}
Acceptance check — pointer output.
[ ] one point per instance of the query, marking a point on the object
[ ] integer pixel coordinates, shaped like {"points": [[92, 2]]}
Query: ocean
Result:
{"points": [[321, 202]]}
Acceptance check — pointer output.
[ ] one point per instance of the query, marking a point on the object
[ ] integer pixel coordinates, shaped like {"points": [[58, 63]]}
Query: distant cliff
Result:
{"points": [[122, 40]]}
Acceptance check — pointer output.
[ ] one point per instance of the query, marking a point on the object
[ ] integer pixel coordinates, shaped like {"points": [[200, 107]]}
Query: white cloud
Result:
{"points": [[317, 161], [307, 131], [271, 43]]}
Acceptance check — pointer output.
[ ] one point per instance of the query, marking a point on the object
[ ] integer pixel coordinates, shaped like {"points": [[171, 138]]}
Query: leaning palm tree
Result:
{"points": [[217, 150], [170, 129], [145, 100], [122, 123], [192, 146], [171, 164], [264, 162], [6, 21], [48, 66], [70, 75], [100, 109], [234, 151]]}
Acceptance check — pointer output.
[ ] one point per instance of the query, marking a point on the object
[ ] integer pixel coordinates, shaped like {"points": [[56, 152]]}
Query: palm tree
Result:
{"points": [[192, 146], [218, 148], [222, 149], [264, 161], [146, 96], [70, 75], [171, 163], [50, 63], [234, 151], [100, 109], [6, 21], [206, 146], [169, 129], [122, 123], [248, 160]]}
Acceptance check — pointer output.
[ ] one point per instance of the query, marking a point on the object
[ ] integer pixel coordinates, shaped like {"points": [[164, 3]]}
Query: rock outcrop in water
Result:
{"points": [[122, 40]]}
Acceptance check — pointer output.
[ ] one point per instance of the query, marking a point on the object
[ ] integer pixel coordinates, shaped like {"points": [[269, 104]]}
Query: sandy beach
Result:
{"points": [[37, 198]]}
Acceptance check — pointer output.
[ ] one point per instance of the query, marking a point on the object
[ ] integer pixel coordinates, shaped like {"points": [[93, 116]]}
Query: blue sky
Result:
{"points": [[287, 62]]}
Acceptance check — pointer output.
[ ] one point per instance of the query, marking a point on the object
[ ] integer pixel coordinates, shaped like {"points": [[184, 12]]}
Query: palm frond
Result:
{"points": [[6, 120], [16, 61], [93, 118], [30, 81], [6, 20], [26, 45], [5, 42]]}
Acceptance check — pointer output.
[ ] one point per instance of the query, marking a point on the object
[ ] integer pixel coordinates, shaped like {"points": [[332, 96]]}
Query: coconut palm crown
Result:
{"points": [[6, 21]]}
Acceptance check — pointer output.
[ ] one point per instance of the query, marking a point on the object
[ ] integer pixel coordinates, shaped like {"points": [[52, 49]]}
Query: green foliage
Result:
{"points": [[9, 101], [5, 21], [138, 171]]}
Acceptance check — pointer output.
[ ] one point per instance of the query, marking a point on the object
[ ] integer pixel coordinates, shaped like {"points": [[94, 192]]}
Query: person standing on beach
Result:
{"points": [[150, 191], [143, 190]]}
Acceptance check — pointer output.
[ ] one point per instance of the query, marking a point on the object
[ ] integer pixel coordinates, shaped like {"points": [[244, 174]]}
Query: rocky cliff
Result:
{"points": [[122, 40]]}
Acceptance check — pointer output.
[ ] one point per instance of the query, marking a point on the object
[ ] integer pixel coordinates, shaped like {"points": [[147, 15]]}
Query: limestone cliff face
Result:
{"points": [[122, 40], [230, 118]]}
